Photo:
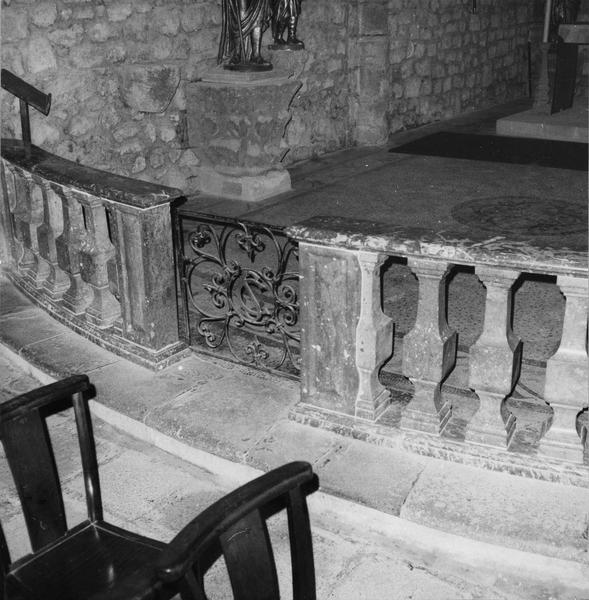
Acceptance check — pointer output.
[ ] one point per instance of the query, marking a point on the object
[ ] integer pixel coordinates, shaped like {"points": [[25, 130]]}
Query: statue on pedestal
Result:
{"points": [[563, 11], [244, 22], [285, 17]]}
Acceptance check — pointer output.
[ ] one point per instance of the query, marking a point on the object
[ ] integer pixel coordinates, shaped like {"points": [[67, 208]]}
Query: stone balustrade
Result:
{"points": [[346, 338], [94, 250]]}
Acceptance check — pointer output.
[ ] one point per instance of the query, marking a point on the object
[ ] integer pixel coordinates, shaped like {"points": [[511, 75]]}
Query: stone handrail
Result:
{"points": [[346, 337], [93, 249]]}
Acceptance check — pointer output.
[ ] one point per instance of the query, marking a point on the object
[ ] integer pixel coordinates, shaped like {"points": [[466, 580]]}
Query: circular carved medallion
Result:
{"points": [[522, 215]]}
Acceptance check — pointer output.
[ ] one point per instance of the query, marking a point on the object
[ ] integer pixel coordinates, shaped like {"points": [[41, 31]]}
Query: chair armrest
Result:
{"points": [[45, 396], [268, 490]]}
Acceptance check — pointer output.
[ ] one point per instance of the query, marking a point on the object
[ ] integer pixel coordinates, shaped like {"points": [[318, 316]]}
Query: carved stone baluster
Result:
{"points": [[495, 361], [22, 219], [68, 245], [583, 430], [39, 272], [95, 252], [429, 350], [7, 247], [57, 281], [566, 384], [374, 339]]}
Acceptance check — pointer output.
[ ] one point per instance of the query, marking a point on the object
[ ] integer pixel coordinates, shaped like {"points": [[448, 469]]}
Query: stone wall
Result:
{"points": [[117, 70], [114, 69], [446, 60]]}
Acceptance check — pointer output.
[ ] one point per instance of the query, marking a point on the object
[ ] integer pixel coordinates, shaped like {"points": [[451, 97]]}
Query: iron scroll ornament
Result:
{"points": [[252, 309]]}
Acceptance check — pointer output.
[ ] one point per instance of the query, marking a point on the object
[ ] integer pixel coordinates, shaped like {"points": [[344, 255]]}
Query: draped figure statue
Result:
{"points": [[244, 22], [285, 17], [565, 11]]}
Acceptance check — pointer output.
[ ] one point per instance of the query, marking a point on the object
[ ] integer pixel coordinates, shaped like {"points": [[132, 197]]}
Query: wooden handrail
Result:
{"points": [[28, 96], [24, 91]]}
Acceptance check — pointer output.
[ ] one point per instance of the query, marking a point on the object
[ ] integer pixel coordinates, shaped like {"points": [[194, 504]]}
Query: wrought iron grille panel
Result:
{"points": [[240, 291]]}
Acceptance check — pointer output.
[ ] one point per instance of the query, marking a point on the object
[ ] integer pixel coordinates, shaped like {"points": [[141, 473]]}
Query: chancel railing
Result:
{"points": [[346, 340], [239, 284], [93, 249]]}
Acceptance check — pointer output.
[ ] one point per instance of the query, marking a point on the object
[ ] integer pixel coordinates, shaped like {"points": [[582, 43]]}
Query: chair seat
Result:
{"points": [[88, 560]]}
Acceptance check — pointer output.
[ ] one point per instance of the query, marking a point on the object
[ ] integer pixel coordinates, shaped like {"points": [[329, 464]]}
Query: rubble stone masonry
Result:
{"points": [[117, 71]]}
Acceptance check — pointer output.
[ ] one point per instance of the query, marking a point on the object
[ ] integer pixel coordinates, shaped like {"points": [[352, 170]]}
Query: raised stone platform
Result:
{"points": [[568, 125]]}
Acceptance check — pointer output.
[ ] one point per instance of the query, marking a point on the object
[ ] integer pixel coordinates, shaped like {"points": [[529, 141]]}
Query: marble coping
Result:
{"points": [[116, 188], [459, 247]]}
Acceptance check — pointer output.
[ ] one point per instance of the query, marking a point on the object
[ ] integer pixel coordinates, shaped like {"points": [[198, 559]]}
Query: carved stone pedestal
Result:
{"points": [[236, 125]]}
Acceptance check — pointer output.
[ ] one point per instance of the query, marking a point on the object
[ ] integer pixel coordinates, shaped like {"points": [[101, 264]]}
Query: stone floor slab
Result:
{"points": [[287, 441], [67, 354], [16, 327], [135, 390], [229, 416], [154, 493], [501, 508], [568, 125], [375, 476], [11, 300]]}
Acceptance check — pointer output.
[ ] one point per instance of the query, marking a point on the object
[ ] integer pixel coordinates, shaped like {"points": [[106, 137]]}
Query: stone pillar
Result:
{"points": [[236, 123], [146, 279], [345, 337], [368, 49], [68, 245], [429, 350], [566, 385], [330, 298], [95, 253], [57, 281], [374, 339], [495, 361]]}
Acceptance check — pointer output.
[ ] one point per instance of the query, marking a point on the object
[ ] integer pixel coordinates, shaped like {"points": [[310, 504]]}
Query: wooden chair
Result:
{"points": [[235, 528], [66, 564], [98, 561]]}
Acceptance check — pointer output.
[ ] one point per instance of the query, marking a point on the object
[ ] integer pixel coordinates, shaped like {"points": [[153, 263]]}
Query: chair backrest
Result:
{"points": [[235, 527], [29, 451]]}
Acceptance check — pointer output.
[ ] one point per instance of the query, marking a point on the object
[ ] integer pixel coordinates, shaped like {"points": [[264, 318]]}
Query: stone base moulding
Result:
{"points": [[488, 457], [250, 188]]}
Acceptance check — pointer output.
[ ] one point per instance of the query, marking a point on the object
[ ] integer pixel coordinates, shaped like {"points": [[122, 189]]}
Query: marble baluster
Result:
{"points": [[57, 281], [38, 272], [7, 246], [429, 350], [79, 295], [12, 194], [22, 217], [583, 430], [566, 384], [95, 252], [374, 339], [494, 361]]}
